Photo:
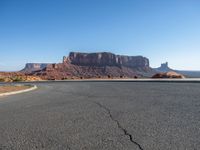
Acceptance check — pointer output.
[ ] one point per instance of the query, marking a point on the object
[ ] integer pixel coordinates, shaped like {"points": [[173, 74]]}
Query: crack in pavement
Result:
{"points": [[119, 125]]}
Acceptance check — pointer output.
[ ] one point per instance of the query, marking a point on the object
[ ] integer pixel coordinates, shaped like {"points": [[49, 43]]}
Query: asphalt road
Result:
{"points": [[102, 116]]}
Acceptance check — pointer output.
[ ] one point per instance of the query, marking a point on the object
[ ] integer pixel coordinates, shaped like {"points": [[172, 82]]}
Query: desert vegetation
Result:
{"points": [[18, 78]]}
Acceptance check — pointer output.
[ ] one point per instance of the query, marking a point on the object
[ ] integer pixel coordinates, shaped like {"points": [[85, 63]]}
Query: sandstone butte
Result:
{"points": [[96, 65]]}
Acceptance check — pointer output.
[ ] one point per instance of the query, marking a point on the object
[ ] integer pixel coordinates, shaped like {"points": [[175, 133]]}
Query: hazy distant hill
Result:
{"points": [[190, 74], [31, 67]]}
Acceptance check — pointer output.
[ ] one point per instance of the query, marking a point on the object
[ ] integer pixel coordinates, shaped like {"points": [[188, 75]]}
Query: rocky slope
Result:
{"points": [[97, 65]]}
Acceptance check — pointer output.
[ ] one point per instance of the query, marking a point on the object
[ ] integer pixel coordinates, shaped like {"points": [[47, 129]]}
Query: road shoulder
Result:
{"points": [[21, 90]]}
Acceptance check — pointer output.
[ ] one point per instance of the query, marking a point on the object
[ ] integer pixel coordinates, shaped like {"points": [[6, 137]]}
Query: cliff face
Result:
{"points": [[31, 67], [108, 59]]}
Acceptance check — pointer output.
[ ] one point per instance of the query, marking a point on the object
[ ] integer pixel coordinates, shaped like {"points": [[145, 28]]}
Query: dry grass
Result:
{"points": [[12, 88]]}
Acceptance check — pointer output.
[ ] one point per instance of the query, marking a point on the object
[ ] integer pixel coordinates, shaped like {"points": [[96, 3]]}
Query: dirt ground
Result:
{"points": [[11, 88]]}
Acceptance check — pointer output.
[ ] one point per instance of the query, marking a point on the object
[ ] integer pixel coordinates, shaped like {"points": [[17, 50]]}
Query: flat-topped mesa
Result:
{"points": [[107, 59], [97, 65], [31, 67]]}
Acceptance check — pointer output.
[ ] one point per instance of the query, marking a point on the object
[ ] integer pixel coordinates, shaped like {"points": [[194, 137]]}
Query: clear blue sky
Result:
{"points": [[45, 30]]}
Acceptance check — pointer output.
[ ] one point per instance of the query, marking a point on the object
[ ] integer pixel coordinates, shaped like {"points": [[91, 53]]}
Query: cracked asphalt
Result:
{"points": [[102, 116]]}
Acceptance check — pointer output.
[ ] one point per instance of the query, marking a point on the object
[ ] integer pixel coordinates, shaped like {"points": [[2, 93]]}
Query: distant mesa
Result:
{"points": [[107, 59], [31, 67], [170, 74], [97, 65]]}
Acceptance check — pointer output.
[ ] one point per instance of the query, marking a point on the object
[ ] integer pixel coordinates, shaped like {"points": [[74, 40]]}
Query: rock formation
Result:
{"points": [[108, 59], [170, 74], [31, 67], [164, 68], [97, 65]]}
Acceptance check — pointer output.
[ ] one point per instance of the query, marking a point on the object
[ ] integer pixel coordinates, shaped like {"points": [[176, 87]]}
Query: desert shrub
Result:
{"points": [[52, 79], [109, 76], [65, 78], [17, 79], [98, 75], [2, 80]]}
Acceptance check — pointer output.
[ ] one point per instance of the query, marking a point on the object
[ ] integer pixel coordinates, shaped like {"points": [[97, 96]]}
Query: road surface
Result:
{"points": [[102, 116]]}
